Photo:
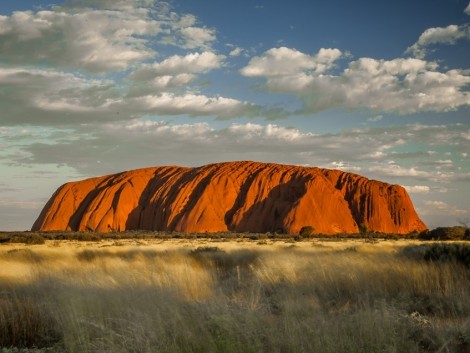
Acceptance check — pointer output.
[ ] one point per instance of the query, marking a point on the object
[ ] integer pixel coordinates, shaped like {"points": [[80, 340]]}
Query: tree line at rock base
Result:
{"points": [[307, 232]]}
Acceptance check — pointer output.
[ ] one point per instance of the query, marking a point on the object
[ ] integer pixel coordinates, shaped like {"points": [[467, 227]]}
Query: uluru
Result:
{"points": [[234, 196]]}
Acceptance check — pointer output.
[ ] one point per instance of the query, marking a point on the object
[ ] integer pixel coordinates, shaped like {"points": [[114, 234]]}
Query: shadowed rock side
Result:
{"points": [[235, 196]]}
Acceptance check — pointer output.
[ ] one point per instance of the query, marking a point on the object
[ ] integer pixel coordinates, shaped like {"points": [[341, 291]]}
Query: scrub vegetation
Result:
{"points": [[235, 295]]}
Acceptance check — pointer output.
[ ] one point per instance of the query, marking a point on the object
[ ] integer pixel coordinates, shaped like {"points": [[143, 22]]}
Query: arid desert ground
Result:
{"points": [[238, 295]]}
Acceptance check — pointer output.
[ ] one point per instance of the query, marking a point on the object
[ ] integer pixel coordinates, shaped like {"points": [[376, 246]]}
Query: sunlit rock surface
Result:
{"points": [[233, 196]]}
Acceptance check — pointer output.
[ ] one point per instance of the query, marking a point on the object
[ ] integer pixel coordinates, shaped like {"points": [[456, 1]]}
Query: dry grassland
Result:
{"points": [[232, 296]]}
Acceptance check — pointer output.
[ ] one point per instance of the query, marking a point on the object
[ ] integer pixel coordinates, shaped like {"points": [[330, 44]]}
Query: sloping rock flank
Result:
{"points": [[233, 196]]}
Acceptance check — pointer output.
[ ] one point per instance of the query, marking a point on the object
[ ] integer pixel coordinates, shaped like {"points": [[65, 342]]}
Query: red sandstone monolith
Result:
{"points": [[233, 196]]}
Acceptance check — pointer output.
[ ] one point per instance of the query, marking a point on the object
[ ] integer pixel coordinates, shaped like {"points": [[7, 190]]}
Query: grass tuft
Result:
{"points": [[25, 322]]}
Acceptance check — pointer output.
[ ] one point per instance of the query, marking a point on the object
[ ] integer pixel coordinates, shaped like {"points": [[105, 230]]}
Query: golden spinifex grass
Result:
{"points": [[205, 296]]}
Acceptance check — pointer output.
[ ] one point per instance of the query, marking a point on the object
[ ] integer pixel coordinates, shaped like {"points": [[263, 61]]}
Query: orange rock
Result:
{"points": [[233, 196]]}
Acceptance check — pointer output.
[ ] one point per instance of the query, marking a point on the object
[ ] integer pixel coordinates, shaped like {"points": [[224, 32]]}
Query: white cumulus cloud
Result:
{"points": [[236, 51], [402, 86], [440, 206], [279, 62], [197, 37], [417, 189], [97, 35], [40, 97], [397, 170], [176, 65], [438, 35], [190, 104], [252, 131], [92, 40]]}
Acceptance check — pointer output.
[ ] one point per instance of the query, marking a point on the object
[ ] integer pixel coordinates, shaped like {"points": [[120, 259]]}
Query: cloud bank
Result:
{"points": [[97, 36], [403, 86], [89, 60]]}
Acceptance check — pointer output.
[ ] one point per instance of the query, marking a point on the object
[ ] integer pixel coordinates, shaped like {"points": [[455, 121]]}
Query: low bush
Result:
{"points": [[307, 231], [27, 238], [466, 235], [445, 233], [458, 253], [224, 263]]}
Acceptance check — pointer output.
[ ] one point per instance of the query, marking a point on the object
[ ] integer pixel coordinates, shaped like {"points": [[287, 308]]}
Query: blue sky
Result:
{"points": [[92, 87]]}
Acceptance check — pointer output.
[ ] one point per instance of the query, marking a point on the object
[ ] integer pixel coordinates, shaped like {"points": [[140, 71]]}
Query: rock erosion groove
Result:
{"points": [[233, 196]]}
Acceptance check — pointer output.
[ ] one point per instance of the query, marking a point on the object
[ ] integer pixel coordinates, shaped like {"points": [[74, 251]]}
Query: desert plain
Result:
{"points": [[235, 295]]}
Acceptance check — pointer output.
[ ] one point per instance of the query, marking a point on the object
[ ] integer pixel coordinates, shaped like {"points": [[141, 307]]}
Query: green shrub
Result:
{"points": [[458, 253], [444, 233], [363, 229], [27, 238], [466, 235], [86, 236], [224, 263], [307, 231]]}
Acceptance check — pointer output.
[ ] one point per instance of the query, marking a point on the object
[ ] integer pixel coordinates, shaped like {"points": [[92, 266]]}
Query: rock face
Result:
{"points": [[234, 196]]}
